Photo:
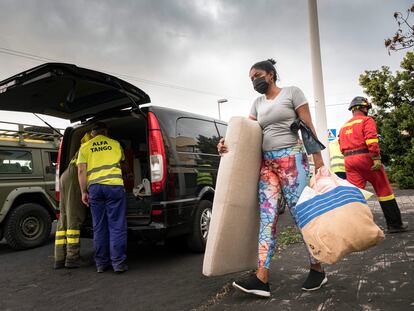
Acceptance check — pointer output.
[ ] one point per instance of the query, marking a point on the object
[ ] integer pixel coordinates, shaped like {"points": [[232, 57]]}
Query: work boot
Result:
{"points": [[102, 269], [59, 265], [391, 213], [398, 229], [121, 268], [72, 264]]}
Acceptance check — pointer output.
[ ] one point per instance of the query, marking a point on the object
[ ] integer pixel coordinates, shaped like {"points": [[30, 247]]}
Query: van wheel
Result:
{"points": [[28, 225], [197, 240]]}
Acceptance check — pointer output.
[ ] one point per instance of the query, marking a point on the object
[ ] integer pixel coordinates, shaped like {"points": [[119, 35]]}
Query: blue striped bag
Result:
{"points": [[336, 223]]}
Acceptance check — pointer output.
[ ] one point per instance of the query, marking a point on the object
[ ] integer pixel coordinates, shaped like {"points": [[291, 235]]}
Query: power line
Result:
{"points": [[25, 55], [134, 78], [342, 104], [130, 77]]}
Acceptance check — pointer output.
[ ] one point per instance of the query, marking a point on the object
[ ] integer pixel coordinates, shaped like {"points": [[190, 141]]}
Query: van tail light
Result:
{"points": [[57, 188], [156, 212], [158, 161]]}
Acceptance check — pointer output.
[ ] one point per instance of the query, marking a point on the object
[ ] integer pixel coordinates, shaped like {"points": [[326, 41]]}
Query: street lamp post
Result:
{"points": [[222, 100]]}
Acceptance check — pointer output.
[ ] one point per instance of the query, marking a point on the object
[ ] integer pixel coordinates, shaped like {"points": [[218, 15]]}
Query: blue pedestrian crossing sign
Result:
{"points": [[331, 134]]}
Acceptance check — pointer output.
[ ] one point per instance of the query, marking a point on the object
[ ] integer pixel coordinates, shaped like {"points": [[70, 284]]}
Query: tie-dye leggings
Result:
{"points": [[285, 170]]}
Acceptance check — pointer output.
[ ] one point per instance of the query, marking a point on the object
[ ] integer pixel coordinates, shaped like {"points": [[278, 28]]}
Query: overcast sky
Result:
{"points": [[203, 46]]}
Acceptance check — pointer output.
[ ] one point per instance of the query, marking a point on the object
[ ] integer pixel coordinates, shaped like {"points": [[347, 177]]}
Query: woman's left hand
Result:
{"points": [[318, 161], [318, 165]]}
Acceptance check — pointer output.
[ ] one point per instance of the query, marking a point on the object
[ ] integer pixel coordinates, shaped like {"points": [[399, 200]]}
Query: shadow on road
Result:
{"points": [[139, 253]]}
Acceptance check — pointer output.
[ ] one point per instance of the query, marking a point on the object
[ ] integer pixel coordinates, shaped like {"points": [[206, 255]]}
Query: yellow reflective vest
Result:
{"points": [[102, 156], [84, 139], [205, 178], [337, 158]]}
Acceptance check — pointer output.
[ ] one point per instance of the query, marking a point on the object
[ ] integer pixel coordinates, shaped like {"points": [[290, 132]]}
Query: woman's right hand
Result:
{"points": [[221, 147]]}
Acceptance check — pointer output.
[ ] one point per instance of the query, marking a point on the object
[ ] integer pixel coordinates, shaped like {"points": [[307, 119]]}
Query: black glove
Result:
{"points": [[310, 141]]}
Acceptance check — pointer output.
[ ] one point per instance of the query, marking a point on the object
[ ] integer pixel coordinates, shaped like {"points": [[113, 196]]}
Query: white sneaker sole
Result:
{"points": [[325, 280], [256, 292]]}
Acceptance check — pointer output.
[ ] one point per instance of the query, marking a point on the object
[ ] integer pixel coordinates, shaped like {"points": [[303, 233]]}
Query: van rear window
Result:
{"points": [[15, 162]]}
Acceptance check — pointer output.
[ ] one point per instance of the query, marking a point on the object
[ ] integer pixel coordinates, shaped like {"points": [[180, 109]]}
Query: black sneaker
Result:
{"points": [[315, 280], [121, 268], [254, 286], [397, 229]]}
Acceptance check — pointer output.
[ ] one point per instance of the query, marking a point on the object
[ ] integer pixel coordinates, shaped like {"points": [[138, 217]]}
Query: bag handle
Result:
{"points": [[323, 171]]}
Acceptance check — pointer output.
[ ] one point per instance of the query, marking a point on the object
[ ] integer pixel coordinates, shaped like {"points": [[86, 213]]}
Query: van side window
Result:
{"points": [[195, 135], [222, 128], [15, 162]]}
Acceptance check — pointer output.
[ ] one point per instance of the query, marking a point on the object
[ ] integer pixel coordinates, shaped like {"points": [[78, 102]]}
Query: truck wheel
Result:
{"points": [[28, 225], [197, 240]]}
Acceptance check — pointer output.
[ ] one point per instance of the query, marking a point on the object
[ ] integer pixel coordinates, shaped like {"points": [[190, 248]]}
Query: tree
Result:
{"points": [[393, 99], [404, 37], [208, 144]]}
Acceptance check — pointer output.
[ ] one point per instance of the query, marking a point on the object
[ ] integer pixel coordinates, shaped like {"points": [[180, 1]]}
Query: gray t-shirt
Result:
{"points": [[275, 117]]}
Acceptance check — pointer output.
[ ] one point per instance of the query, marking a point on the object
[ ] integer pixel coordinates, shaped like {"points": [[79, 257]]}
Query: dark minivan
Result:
{"points": [[171, 159]]}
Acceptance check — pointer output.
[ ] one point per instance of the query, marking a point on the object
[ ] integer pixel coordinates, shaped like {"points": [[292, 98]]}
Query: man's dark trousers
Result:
{"points": [[108, 208]]}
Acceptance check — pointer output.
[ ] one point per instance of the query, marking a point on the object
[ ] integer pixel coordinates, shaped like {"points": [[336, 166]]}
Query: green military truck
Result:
{"points": [[28, 205]]}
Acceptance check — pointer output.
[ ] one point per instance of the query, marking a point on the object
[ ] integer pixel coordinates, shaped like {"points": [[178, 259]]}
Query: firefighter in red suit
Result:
{"points": [[358, 139]]}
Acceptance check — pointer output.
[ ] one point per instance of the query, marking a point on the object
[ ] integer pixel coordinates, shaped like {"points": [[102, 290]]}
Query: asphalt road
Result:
{"points": [[167, 278], [160, 278]]}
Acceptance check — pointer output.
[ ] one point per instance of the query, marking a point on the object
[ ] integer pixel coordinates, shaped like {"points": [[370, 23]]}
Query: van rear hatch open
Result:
{"points": [[76, 94], [67, 91]]}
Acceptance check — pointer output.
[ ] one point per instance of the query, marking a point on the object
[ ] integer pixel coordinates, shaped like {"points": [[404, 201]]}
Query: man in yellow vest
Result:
{"points": [[102, 188], [72, 216], [337, 159]]}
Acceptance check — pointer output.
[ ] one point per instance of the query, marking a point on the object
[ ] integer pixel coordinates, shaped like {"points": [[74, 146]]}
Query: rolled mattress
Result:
{"points": [[232, 243]]}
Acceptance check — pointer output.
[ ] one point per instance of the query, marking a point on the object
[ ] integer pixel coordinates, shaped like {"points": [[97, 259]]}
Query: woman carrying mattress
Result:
{"points": [[285, 169]]}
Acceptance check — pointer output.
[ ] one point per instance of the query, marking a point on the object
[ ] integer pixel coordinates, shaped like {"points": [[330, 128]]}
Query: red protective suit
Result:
{"points": [[358, 140], [360, 134]]}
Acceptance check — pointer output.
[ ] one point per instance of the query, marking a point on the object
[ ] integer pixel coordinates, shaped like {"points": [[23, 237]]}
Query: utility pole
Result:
{"points": [[319, 96]]}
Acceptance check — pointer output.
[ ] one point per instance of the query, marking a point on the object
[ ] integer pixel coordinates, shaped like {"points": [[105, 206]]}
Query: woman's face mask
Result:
{"points": [[261, 85]]}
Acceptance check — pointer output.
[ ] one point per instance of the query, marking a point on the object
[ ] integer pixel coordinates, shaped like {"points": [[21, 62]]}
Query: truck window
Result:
{"points": [[51, 165], [195, 135], [15, 162]]}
